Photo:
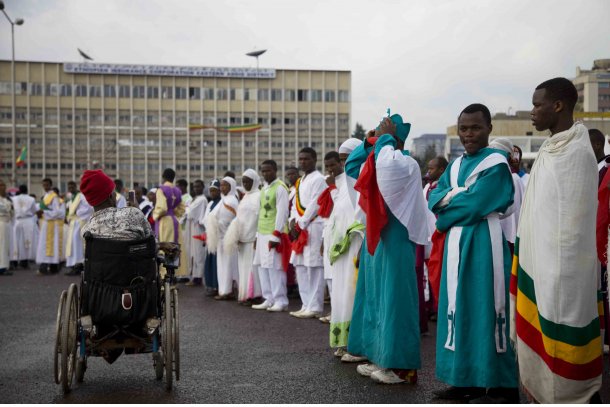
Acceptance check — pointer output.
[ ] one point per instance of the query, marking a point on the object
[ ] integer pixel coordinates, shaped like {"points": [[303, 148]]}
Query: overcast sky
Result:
{"points": [[425, 59]]}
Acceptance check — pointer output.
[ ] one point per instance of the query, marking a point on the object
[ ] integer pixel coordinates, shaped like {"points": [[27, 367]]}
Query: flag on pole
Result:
{"points": [[21, 159]]}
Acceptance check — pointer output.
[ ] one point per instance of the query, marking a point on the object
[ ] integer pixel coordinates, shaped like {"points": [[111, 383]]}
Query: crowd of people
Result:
{"points": [[511, 265]]}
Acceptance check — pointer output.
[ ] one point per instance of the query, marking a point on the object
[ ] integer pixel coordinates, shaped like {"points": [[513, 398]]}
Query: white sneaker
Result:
{"points": [[277, 308], [367, 369], [325, 320], [308, 314], [264, 305], [340, 352], [349, 358]]}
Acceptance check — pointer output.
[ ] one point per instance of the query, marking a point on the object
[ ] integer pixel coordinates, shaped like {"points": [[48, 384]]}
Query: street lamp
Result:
{"points": [[18, 21]]}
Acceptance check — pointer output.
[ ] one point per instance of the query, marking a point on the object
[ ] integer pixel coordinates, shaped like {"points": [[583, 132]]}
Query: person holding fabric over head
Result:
{"points": [[272, 251], [307, 229], [241, 237], [217, 224], [472, 349], [210, 269], [385, 323], [168, 208], [555, 270]]}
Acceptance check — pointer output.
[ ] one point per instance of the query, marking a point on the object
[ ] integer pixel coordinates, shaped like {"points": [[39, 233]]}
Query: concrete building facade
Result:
{"points": [[136, 120], [593, 87]]}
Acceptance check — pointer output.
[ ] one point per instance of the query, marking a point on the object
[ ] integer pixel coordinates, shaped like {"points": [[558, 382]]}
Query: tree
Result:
{"points": [[359, 132]]}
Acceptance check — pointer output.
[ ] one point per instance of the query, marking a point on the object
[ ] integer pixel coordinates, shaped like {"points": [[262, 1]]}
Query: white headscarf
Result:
{"points": [[256, 180], [231, 181], [349, 145], [502, 144]]}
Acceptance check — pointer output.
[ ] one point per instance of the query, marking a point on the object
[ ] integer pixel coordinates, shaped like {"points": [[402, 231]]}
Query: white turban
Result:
{"points": [[253, 175], [349, 145], [502, 144]]}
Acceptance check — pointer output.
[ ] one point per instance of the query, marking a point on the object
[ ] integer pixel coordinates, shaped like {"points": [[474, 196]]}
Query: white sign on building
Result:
{"points": [[162, 70]]}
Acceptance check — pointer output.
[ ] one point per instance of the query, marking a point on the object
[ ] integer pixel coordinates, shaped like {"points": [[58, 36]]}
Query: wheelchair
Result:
{"points": [[124, 305]]}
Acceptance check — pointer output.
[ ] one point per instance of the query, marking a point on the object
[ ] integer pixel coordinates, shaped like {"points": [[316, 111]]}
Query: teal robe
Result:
{"points": [[385, 319], [475, 361]]}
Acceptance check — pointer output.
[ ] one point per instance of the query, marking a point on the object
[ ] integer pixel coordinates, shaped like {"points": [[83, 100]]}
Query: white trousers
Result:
{"points": [[273, 286], [311, 287]]}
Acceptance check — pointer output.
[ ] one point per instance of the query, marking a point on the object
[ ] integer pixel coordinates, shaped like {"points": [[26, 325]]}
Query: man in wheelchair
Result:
{"points": [[120, 295]]}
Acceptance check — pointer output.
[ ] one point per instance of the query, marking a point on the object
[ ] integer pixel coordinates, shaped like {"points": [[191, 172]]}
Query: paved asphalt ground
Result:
{"points": [[230, 354]]}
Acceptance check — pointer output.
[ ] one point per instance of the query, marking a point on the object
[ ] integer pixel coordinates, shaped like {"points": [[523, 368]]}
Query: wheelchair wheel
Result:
{"points": [[158, 364], [81, 367], [57, 349], [166, 339], [176, 333], [69, 334]]}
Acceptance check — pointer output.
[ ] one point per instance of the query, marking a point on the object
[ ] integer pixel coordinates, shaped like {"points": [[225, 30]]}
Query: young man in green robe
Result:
{"points": [[385, 321], [472, 350]]}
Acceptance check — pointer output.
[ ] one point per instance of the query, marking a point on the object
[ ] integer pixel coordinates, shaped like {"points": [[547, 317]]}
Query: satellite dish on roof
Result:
{"points": [[82, 54], [256, 53]]}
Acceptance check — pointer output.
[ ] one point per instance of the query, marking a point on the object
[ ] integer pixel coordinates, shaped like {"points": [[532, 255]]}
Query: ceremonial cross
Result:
{"points": [[501, 321], [173, 200], [267, 208]]}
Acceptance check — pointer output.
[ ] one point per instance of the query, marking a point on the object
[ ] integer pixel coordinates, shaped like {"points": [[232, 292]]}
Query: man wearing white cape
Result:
{"points": [[25, 229], [555, 270], [79, 212], [196, 250]]}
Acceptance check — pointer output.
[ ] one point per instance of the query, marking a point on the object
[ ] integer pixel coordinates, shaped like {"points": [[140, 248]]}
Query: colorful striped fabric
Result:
{"points": [[569, 353], [20, 162], [246, 128]]}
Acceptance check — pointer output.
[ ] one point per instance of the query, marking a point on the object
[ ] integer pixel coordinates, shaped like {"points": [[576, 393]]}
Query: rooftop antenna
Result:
{"points": [[85, 56], [256, 54]]}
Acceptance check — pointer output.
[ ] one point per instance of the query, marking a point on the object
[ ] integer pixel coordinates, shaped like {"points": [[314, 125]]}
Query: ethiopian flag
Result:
{"points": [[21, 159]]}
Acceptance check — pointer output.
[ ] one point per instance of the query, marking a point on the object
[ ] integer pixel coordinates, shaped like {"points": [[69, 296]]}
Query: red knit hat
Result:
{"points": [[96, 186]]}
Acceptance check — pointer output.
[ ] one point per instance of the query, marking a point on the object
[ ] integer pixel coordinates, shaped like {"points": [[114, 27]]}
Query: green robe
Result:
{"points": [[475, 361], [385, 319]]}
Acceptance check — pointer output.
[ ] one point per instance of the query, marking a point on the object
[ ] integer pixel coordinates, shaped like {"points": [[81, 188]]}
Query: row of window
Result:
{"points": [[177, 92], [167, 119]]}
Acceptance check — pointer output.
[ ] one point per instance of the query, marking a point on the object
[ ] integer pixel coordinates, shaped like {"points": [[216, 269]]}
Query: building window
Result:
{"points": [[35, 89], [302, 95], [80, 90], [66, 90], [289, 95], [232, 94], [329, 95], [263, 94], [316, 95], [152, 92], [194, 93], [276, 95], [180, 93], [166, 92], [95, 91], [109, 91], [221, 94], [246, 94], [138, 92], [52, 89], [208, 94], [124, 91], [343, 96]]}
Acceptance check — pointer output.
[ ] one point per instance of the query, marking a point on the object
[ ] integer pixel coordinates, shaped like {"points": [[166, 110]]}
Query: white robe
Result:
{"points": [[25, 228], [6, 217], [509, 224], [51, 232], [74, 242], [195, 248], [240, 237], [310, 188], [217, 224]]}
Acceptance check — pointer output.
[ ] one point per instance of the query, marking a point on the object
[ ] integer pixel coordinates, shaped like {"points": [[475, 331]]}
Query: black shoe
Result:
{"points": [[5, 272], [72, 271], [498, 395], [460, 393], [24, 264], [43, 269], [53, 268], [12, 265]]}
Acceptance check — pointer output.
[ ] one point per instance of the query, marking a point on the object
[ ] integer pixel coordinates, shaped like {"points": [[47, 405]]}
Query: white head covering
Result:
{"points": [[349, 145], [253, 175], [502, 144], [231, 181]]}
